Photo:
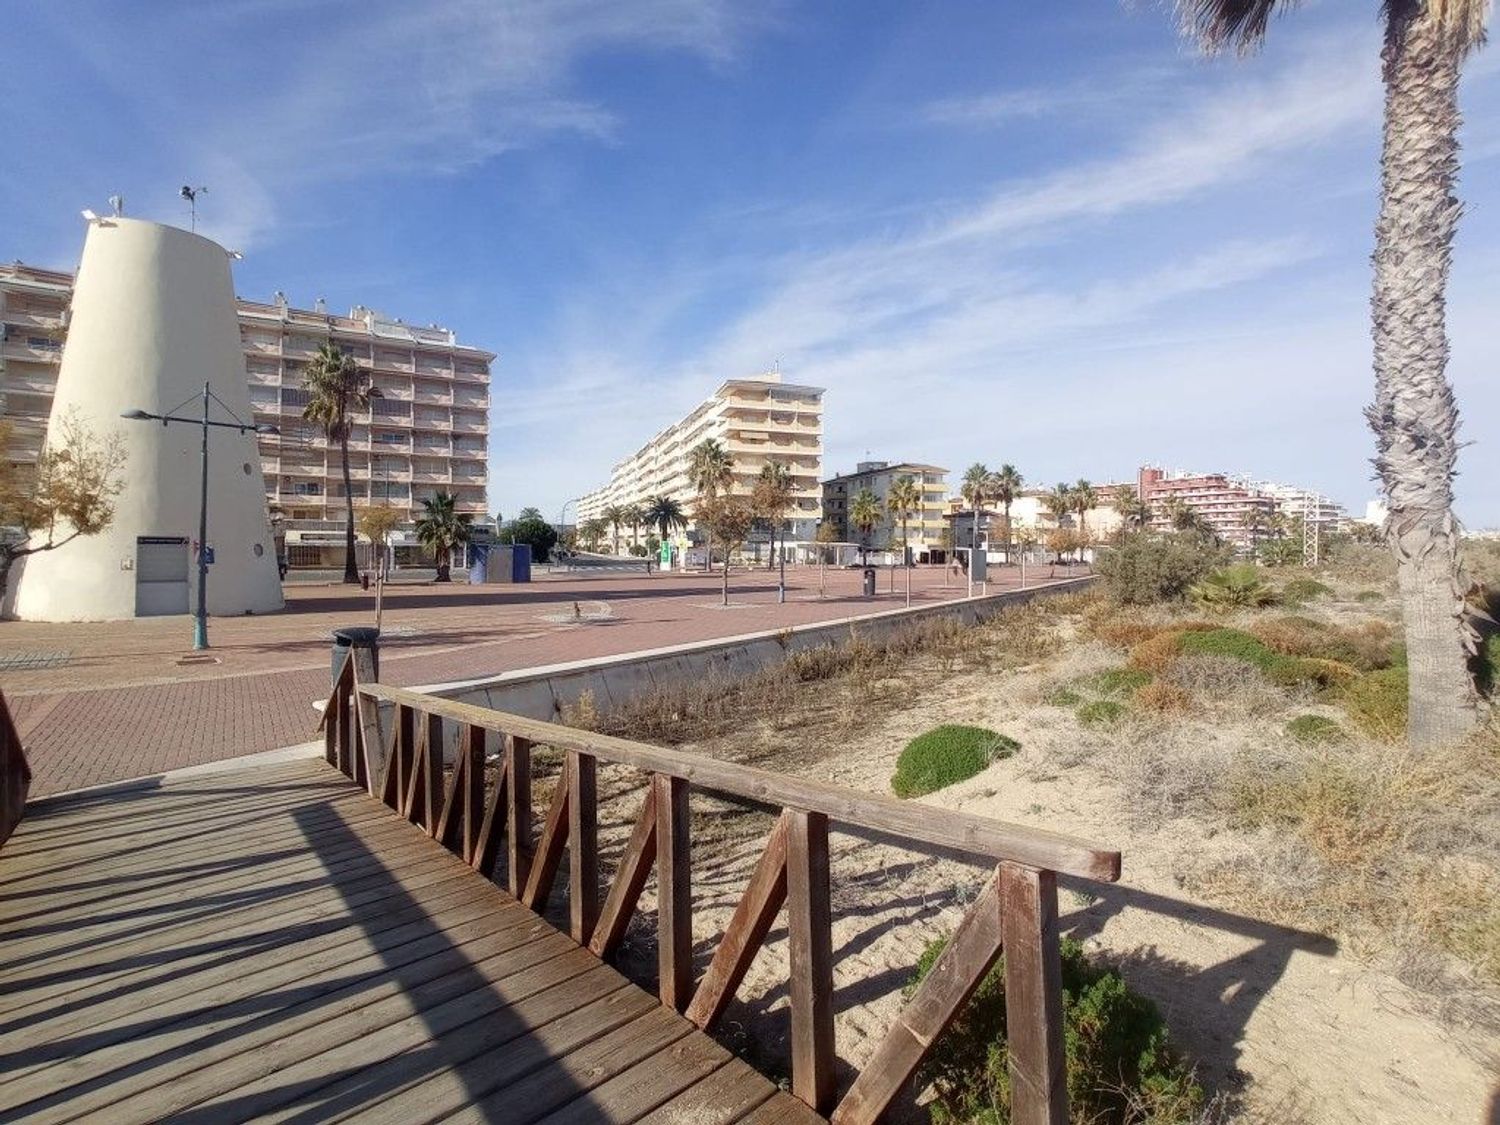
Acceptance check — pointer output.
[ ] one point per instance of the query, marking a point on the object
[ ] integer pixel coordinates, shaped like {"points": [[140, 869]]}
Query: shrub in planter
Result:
{"points": [[947, 755], [1121, 1065]]}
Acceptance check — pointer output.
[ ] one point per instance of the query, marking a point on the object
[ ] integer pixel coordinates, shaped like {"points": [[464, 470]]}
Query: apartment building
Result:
{"points": [[427, 432], [758, 420], [1237, 513], [1294, 503], [924, 528], [33, 322], [1031, 520]]}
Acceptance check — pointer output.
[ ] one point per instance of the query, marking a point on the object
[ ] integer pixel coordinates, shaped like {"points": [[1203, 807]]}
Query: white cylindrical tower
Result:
{"points": [[153, 319]]}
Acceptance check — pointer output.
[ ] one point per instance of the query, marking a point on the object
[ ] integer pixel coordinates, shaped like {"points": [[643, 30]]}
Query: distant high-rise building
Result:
{"points": [[1234, 512], [427, 432], [758, 420]]}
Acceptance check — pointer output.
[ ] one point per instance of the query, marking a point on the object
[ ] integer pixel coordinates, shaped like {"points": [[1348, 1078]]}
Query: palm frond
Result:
{"points": [[1241, 24]]}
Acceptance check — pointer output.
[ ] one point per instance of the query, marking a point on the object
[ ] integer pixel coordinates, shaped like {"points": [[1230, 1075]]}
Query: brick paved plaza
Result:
{"points": [[101, 702]]}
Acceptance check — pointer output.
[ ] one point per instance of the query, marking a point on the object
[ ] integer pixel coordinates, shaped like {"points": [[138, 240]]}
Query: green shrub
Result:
{"points": [[1300, 590], [947, 755], [1369, 596], [1489, 665], [1234, 587], [1121, 1066], [1376, 702], [1062, 697], [1116, 681], [1314, 730], [1147, 568], [1099, 712], [1232, 643]]}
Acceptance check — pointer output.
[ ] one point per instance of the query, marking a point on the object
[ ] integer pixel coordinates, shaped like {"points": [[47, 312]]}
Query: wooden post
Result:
{"points": [[432, 776], [630, 879], [809, 925], [583, 846], [674, 918], [473, 791], [518, 812], [1033, 996], [549, 851]]}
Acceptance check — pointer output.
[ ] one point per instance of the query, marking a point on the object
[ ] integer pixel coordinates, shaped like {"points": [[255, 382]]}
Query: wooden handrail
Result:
{"points": [[402, 762], [978, 836], [15, 774]]}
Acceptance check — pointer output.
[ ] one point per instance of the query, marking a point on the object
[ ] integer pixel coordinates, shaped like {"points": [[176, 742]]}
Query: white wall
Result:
{"points": [[153, 317]]}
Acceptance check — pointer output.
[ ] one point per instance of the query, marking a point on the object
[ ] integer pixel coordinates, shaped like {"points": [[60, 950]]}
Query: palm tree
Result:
{"points": [[1085, 499], [614, 516], [1008, 483], [666, 514], [1414, 415], [864, 513], [711, 471], [773, 496], [976, 488], [902, 500], [1134, 511], [591, 531], [635, 515], [337, 387], [1058, 502], [442, 528]]}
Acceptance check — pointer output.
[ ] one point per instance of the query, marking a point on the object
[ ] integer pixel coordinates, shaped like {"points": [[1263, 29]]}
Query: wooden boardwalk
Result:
{"points": [[274, 943]]}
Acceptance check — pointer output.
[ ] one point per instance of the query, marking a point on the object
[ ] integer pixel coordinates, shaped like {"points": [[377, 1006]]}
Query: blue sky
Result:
{"points": [[1046, 234]]}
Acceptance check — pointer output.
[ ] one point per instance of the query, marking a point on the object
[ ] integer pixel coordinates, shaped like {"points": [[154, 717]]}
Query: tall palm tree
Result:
{"points": [[592, 530], [440, 529], [635, 515], [1414, 415], [864, 513], [1085, 500], [773, 496], [1058, 502], [1008, 483], [338, 387], [976, 489], [902, 500], [1135, 513], [711, 471], [614, 516], [666, 515]]}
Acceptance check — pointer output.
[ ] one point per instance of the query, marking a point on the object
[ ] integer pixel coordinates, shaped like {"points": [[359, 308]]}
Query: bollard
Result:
{"points": [[355, 636]]}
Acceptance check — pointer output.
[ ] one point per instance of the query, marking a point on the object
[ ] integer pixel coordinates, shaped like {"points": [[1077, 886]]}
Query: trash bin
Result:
{"points": [[869, 581], [347, 638]]}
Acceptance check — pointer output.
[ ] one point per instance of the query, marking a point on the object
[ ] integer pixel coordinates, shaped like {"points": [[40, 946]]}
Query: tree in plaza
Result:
{"points": [[338, 387], [1062, 541], [376, 524], [728, 520], [591, 531], [976, 487], [771, 499], [1085, 499], [441, 528], [1058, 502], [616, 515], [1007, 482], [710, 471], [531, 529], [825, 535], [902, 501], [1414, 416], [864, 513], [68, 493], [666, 515], [635, 515]]}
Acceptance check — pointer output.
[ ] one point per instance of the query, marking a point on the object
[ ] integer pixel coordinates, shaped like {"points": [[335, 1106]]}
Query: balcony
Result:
{"points": [[470, 425], [436, 398], [47, 321]]}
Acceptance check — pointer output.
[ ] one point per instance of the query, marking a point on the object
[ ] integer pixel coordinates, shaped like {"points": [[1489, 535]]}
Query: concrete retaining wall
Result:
{"points": [[542, 693]]}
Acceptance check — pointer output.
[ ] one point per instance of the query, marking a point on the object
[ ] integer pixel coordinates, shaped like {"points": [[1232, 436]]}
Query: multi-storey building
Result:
{"points": [[427, 431], [33, 322], [924, 528], [758, 420], [1295, 503], [1236, 513]]}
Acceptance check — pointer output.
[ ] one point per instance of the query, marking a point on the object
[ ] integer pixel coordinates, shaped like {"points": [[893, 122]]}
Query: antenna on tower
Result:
{"points": [[191, 194], [1310, 527]]}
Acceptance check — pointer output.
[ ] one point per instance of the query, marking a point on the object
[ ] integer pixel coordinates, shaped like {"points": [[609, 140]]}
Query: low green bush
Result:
{"points": [[1121, 1065], [1232, 643], [1100, 712], [1489, 665], [1300, 590], [1314, 730], [1235, 587], [1148, 567], [947, 755], [1369, 596], [1377, 702], [1062, 697], [1116, 681]]}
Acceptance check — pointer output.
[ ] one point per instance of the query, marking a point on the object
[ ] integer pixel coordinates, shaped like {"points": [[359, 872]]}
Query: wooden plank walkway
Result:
{"points": [[272, 943]]}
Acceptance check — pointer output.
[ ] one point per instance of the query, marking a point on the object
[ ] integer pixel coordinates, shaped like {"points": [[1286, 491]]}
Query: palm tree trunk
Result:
{"points": [[726, 575], [351, 572], [1414, 416]]}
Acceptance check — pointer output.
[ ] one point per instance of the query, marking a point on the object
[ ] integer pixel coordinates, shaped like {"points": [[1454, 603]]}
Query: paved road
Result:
{"points": [[120, 705]]}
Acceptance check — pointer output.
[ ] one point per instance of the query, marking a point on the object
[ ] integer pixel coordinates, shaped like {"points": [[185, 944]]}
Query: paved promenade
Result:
{"points": [[101, 702]]}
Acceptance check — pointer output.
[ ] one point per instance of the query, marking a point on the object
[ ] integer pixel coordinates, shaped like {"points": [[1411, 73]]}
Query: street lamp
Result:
{"points": [[200, 622]]}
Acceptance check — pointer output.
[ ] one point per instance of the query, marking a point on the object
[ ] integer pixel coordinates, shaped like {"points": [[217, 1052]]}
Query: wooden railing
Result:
{"points": [[400, 760], [15, 774]]}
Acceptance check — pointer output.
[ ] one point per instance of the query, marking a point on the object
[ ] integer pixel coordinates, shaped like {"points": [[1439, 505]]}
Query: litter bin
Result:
{"points": [[869, 581], [351, 636]]}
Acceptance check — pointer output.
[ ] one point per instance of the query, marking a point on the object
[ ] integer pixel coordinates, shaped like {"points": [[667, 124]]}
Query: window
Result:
{"points": [[390, 438], [44, 343], [295, 396], [390, 408]]}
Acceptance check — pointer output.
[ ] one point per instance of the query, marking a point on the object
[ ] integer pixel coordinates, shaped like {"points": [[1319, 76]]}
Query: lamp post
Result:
{"points": [[200, 620]]}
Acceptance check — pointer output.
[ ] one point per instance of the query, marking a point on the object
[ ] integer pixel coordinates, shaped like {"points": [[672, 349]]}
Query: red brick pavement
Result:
{"points": [[172, 717]]}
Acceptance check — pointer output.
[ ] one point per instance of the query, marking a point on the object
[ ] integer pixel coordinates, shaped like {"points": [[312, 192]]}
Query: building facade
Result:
{"points": [[427, 432], [1232, 510], [924, 528], [758, 420]]}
